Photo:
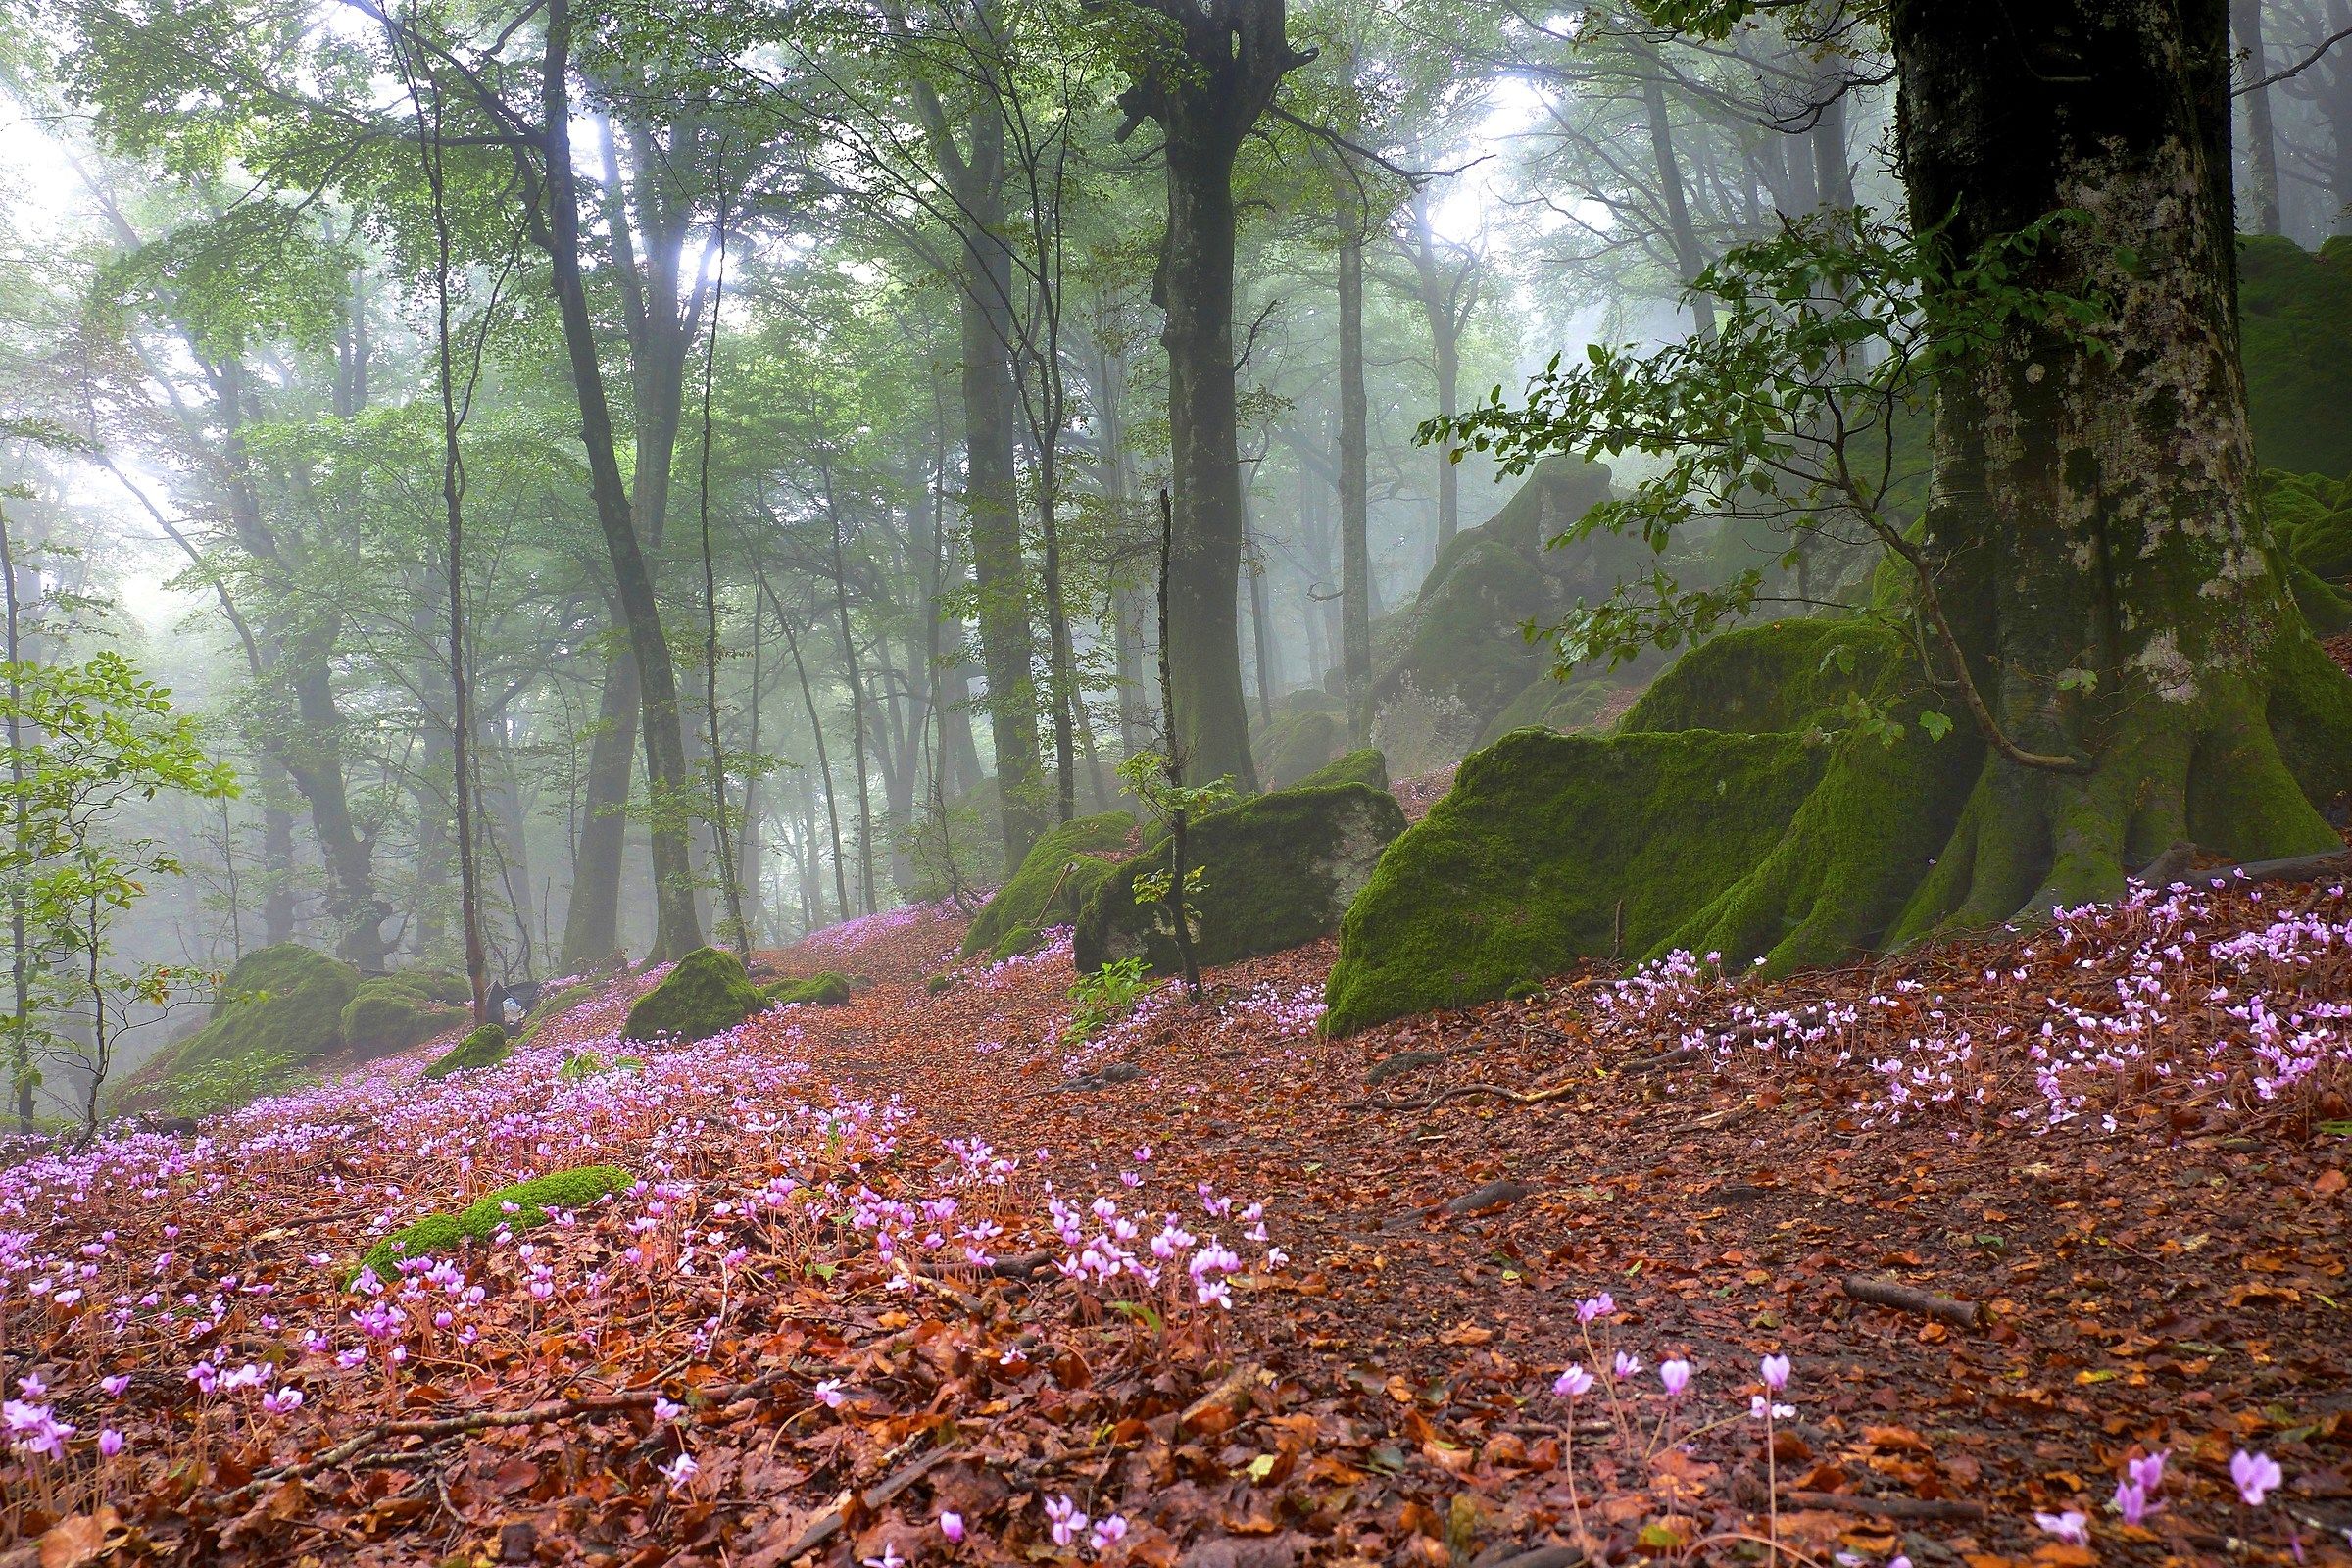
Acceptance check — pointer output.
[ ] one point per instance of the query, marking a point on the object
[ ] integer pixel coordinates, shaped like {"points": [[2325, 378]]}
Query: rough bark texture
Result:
{"points": [[2092, 512], [1214, 71]]}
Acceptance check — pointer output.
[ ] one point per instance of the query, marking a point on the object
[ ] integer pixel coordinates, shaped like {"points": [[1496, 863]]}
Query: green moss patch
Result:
{"points": [[1739, 808], [283, 1001], [827, 990], [706, 994], [1520, 871], [486, 1047], [512, 1208], [1040, 893], [2295, 318], [394, 1011], [1366, 766], [1786, 675], [1309, 729], [1277, 870]]}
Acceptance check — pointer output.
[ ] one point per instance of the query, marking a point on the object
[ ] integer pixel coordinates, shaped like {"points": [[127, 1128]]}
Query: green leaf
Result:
{"points": [[1938, 725]]}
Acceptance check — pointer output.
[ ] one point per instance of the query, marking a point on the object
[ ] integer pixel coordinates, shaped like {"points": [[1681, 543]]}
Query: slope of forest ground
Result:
{"points": [[915, 1279]]}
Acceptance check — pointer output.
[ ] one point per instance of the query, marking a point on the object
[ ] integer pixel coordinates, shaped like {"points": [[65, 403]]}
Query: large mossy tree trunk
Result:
{"points": [[2091, 518], [1209, 72]]}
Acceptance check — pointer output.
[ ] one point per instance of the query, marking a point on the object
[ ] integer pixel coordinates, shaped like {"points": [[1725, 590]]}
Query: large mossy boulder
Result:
{"points": [[1277, 870], [1309, 729], [1366, 766], [706, 994], [278, 1001], [394, 1011], [1056, 878], [1458, 647], [513, 1209], [1698, 825]]}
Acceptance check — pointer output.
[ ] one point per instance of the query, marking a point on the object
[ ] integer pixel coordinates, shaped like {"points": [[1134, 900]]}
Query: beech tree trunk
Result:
{"points": [[677, 930], [2091, 509], [1233, 56], [1355, 549], [2262, 134]]}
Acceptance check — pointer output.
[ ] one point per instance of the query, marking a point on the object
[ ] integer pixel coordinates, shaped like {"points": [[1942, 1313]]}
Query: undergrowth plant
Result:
{"points": [[1105, 997]]}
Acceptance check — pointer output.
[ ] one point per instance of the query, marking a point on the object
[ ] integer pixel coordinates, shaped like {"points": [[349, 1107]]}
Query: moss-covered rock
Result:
{"points": [[1085, 878], [1786, 675], [1309, 729], [486, 1047], [2295, 319], [1521, 869], [394, 1011], [512, 1208], [1277, 870], [1458, 645], [826, 990], [1040, 894], [706, 994], [282, 1000], [1366, 766], [2311, 514]]}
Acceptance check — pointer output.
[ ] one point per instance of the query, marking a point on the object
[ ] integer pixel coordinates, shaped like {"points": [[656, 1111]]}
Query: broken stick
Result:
{"points": [[1919, 1304]]}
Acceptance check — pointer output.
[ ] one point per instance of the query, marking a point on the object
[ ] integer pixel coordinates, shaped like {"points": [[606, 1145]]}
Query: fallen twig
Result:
{"points": [[1890, 1508], [1920, 1304], [1516, 1097]]}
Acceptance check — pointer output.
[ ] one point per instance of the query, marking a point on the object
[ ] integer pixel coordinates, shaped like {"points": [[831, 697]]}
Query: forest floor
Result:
{"points": [[1252, 1298]]}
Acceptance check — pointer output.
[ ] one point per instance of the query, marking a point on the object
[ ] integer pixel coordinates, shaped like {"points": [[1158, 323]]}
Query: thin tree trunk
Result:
{"points": [[2262, 133], [816, 730], [1690, 257], [676, 929], [592, 911], [1355, 552]]}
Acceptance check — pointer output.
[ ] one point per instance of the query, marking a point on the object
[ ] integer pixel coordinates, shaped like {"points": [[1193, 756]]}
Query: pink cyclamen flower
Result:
{"points": [[1571, 1383], [829, 1394], [665, 1412], [1593, 1306], [1067, 1522], [109, 1442], [1110, 1531], [1676, 1375], [2070, 1527], [2256, 1474], [1776, 1372], [115, 1386], [2130, 1501], [1627, 1364], [890, 1558], [951, 1524], [2147, 1474], [680, 1470]]}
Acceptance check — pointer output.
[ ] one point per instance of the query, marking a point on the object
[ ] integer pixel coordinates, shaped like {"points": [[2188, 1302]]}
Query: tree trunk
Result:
{"points": [[2262, 135], [1261, 630], [992, 496], [2091, 506], [676, 929], [591, 912], [1355, 552], [1233, 62], [1690, 257]]}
